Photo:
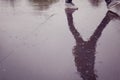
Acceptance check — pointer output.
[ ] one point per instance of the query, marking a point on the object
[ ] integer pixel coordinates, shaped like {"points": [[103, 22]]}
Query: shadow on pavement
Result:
{"points": [[84, 51]]}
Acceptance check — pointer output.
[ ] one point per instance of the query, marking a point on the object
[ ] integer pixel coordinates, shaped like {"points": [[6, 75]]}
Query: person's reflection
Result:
{"points": [[42, 4], [95, 2], [11, 2], [84, 51]]}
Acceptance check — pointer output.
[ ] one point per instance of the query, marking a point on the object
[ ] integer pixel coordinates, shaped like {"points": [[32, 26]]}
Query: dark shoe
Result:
{"points": [[68, 10], [113, 15]]}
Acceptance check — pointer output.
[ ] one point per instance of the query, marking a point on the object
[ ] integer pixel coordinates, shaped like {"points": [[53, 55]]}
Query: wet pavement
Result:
{"points": [[41, 40]]}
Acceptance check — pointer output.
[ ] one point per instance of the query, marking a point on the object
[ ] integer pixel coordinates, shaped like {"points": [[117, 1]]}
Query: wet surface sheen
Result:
{"points": [[41, 40]]}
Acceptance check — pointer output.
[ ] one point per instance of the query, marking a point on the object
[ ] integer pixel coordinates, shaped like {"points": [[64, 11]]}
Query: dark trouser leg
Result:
{"points": [[68, 1], [108, 1]]}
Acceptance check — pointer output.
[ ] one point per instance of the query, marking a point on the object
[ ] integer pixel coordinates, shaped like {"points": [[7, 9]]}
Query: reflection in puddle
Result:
{"points": [[35, 4], [42, 4], [95, 2], [84, 51], [12, 3]]}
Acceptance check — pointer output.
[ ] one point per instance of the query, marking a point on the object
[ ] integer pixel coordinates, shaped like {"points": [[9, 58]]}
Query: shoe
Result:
{"points": [[71, 6], [68, 10], [113, 15], [113, 4]]}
